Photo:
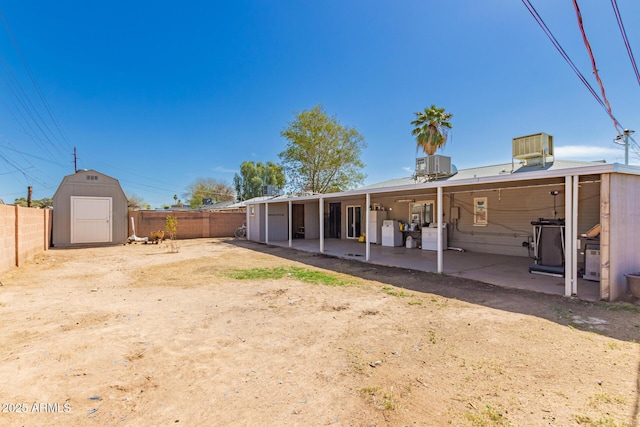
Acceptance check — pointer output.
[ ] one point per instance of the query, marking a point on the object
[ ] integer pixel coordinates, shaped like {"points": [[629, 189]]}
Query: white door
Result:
{"points": [[91, 219]]}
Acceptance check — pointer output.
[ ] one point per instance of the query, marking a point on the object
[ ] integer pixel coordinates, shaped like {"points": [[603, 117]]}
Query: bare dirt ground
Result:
{"points": [[135, 335]]}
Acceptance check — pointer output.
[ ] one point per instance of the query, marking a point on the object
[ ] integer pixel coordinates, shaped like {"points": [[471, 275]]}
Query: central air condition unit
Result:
{"points": [[269, 190], [539, 145], [435, 165]]}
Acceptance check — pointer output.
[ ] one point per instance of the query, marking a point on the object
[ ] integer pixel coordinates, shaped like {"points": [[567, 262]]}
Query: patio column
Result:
{"points": [[367, 250], [574, 267], [321, 210], [266, 223], [290, 224], [569, 239], [439, 222]]}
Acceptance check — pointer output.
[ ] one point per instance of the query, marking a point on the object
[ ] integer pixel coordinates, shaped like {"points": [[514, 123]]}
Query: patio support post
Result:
{"points": [[247, 221], [574, 267], [367, 252], [266, 223], [440, 242], [290, 224], [321, 210], [569, 238]]}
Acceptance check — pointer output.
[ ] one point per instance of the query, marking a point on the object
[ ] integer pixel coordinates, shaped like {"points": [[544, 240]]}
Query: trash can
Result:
{"points": [[411, 243]]}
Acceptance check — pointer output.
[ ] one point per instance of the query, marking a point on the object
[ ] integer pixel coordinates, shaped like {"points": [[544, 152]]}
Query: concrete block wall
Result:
{"points": [[24, 233], [7, 237], [191, 225]]}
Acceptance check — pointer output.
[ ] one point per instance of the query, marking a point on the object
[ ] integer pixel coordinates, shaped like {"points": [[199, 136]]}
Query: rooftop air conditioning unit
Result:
{"points": [[270, 190], [435, 165], [539, 145]]}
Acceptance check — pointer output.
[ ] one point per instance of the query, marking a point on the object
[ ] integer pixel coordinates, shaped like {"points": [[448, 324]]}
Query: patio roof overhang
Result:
{"points": [[510, 179]]}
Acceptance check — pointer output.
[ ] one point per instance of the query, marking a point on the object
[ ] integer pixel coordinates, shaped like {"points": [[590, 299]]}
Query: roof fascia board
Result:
{"points": [[511, 177]]}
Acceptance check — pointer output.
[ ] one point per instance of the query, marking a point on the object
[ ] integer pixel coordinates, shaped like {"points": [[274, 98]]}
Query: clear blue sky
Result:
{"points": [[157, 94]]}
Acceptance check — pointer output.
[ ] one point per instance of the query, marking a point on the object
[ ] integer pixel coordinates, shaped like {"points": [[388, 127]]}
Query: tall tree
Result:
{"points": [[208, 188], [321, 155], [136, 202], [431, 128], [253, 176]]}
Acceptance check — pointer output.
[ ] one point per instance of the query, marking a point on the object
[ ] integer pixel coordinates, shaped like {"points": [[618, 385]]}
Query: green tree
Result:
{"points": [[321, 155], [253, 176], [208, 188], [431, 129], [42, 203]]}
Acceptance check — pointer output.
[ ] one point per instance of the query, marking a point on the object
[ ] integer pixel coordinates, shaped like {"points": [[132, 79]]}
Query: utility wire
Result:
{"points": [[546, 30], [594, 67], [626, 40], [36, 86]]}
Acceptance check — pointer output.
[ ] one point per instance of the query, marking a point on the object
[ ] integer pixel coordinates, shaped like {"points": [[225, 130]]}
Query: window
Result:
{"points": [[422, 213], [480, 211]]}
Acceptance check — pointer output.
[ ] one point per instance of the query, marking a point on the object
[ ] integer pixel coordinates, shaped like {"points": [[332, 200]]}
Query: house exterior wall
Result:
{"points": [[88, 184], [623, 233], [279, 221], [255, 222], [510, 212], [312, 220], [191, 225], [24, 233]]}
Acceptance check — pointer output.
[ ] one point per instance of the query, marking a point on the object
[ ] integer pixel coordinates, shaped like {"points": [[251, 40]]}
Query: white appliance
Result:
{"points": [[375, 226], [391, 234], [592, 263], [430, 238]]}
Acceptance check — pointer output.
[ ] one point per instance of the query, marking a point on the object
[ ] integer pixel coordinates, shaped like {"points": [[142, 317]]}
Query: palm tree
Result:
{"points": [[431, 128]]}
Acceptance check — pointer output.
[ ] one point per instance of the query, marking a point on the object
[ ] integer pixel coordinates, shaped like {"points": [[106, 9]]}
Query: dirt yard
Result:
{"points": [[135, 335]]}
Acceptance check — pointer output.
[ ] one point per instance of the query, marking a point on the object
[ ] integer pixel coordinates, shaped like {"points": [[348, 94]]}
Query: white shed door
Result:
{"points": [[91, 219]]}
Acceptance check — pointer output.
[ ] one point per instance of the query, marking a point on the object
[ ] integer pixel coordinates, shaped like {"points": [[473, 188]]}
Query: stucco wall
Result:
{"points": [[191, 225], [24, 233]]}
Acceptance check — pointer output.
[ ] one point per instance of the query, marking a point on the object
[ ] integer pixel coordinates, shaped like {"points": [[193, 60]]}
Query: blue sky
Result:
{"points": [[158, 94]]}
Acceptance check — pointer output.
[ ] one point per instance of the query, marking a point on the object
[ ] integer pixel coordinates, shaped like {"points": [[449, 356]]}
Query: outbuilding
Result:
{"points": [[89, 208]]}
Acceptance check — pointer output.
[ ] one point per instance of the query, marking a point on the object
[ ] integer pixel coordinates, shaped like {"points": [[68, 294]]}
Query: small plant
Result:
{"points": [[585, 420], [390, 291], [171, 227], [432, 337], [489, 416]]}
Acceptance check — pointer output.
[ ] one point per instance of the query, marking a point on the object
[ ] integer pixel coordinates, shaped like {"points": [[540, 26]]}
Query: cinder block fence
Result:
{"points": [[24, 233], [191, 225]]}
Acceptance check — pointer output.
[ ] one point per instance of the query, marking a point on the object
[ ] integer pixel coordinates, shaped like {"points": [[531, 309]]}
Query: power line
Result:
{"points": [[594, 67], [624, 37], [36, 86], [551, 37]]}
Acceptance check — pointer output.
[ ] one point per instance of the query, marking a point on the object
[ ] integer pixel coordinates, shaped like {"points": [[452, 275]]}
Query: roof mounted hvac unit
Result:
{"points": [[270, 190], [533, 149], [433, 166]]}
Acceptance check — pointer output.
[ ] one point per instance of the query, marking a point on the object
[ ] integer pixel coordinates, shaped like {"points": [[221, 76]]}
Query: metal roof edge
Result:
{"points": [[543, 174]]}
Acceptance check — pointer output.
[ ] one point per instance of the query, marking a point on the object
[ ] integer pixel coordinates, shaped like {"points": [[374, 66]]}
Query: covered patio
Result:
{"points": [[500, 270]]}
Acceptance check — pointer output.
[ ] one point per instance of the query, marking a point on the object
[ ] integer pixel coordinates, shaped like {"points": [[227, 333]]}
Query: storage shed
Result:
{"points": [[89, 208]]}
